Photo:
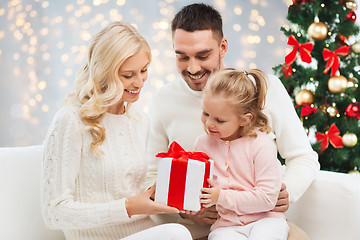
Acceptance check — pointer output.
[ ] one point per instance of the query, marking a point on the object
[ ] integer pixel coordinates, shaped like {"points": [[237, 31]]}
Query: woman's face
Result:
{"points": [[133, 73]]}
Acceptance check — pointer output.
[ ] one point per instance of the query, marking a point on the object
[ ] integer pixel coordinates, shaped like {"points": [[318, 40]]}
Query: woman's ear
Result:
{"points": [[245, 119]]}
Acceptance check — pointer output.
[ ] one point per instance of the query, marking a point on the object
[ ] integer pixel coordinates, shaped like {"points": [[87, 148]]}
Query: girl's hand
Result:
{"points": [[209, 196], [142, 204]]}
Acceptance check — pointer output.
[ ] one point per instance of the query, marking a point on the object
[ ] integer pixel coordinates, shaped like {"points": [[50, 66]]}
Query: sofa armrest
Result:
{"points": [[20, 210], [330, 208]]}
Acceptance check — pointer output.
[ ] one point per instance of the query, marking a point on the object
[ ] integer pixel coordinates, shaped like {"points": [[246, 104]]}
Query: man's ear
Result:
{"points": [[246, 119], [223, 47]]}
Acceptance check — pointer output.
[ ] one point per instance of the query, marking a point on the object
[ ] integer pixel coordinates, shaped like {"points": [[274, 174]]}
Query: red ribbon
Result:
{"points": [[304, 51], [287, 70], [333, 59], [331, 135], [307, 110], [178, 172]]}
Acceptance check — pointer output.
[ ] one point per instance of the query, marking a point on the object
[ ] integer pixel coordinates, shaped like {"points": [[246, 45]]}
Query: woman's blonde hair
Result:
{"points": [[245, 91], [98, 84]]}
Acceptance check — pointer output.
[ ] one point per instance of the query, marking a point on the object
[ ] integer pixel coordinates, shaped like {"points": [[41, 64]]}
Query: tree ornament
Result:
{"points": [[317, 30], [287, 70], [351, 16], [304, 51], [304, 96], [332, 111], [331, 135], [353, 110], [351, 4], [341, 40], [356, 47], [352, 81], [349, 139], [332, 58], [307, 109], [337, 84], [355, 171]]}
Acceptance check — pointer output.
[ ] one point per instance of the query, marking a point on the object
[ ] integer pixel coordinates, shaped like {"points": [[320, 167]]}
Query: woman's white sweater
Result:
{"points": [[84, 195]]}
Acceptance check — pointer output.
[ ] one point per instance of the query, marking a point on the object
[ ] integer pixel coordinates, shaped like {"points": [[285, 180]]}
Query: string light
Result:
{"points": [[44, 43]]}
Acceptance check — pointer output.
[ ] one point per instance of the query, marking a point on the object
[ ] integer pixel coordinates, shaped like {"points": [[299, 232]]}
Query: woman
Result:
{"points": [[94, 157]]}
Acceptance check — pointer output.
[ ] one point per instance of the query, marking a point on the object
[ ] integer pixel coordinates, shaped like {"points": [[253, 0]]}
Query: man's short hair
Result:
{"points": [[198, 16]]}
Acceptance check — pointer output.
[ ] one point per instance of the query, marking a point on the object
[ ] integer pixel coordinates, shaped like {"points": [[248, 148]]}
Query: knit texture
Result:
{"points": [[175, 113], [84, 195]]}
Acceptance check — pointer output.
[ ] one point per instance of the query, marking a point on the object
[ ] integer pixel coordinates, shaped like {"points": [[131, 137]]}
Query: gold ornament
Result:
{"points": [[304, 96], [352, 82], [349, 139], [356, 47], [332, 111], [351, 4], [317, 31], [354, 171], [337, 84]]}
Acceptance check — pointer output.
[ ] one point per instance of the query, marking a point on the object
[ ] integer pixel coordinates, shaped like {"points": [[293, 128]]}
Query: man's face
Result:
{"points": [[198, 55]]}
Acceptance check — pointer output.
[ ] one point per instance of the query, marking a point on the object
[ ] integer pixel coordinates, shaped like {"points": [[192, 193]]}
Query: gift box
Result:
{"points": [[181, 175]]}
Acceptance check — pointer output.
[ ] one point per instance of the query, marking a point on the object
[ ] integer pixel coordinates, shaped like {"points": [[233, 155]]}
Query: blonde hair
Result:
{"points": [[244, 94], [98, 84]]}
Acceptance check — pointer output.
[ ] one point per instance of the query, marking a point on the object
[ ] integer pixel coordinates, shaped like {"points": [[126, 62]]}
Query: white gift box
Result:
{"points": [[179, 182]]}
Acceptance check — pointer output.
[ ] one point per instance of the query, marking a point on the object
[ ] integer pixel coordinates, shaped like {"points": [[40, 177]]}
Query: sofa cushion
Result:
{"points": [[330, 208], [20, 216]]}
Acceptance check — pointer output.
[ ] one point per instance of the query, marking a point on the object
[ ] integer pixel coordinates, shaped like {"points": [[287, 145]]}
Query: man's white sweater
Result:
{"points": [[175, 113]]}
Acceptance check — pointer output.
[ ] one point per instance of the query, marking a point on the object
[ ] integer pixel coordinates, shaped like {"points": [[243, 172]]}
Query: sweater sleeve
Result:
{"points": [[158, 140], [267, 182], [61, 166], [292, 142]]}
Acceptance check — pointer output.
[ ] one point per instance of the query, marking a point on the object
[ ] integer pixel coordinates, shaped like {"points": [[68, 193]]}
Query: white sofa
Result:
{"points": [[329, 210]]}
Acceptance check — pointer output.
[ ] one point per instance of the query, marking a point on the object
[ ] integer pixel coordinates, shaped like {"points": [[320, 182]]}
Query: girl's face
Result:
{"points": [[133, 73], [220, 119]]}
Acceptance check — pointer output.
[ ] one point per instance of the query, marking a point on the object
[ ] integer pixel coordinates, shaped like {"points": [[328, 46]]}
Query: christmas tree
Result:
{"points": [[321, 75]]}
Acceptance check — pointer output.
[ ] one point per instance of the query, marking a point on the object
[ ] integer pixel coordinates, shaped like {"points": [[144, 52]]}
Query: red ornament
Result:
{"points": [[304, 51], [287, 70], [333, 59], [331, 135], [307, 110], [353, 110], [351, 16]]}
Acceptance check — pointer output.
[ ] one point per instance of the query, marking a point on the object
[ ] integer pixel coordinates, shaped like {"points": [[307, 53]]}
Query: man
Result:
{"points": [[175, 110]]}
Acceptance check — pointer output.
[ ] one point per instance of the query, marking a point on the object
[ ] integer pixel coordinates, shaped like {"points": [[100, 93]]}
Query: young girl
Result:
{"points": [[247, 173], [94, 162]]}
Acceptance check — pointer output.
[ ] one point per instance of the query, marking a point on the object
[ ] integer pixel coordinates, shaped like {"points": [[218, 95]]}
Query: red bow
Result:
{"points": [[307, 110], [331, 135], [287, 70], [333, 58], [176, 151], [304, 51]]}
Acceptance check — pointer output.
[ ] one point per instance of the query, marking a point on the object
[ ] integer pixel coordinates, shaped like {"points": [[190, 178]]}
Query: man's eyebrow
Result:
{"points": [[198, 53]]}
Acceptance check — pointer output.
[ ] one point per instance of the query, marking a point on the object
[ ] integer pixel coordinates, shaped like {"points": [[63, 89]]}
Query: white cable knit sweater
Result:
{"points": [[85, 195]]}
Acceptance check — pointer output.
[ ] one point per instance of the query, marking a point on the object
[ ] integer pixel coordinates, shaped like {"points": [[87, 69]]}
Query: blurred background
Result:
{"points": [[44, 43]]}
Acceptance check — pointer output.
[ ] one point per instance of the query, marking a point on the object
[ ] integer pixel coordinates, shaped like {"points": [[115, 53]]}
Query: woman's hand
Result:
{"points": [[210, 196], [142, 204]]}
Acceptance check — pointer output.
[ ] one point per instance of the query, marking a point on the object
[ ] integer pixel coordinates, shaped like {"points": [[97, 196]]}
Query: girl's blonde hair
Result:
{"points": [[98, 84], [246, 95]]}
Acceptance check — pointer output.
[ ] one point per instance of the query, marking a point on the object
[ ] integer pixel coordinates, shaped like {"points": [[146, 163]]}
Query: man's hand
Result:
{"points": [[203, 217], [282, 204]]}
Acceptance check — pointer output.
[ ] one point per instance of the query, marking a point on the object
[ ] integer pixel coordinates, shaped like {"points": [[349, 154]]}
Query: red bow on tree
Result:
{"points": [[307, 110], [287, 70], [304, 51], [333, 59], [331, 135]]}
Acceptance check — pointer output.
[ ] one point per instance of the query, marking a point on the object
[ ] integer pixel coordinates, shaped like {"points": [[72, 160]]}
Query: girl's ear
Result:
{"points": [[245, 119]]}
